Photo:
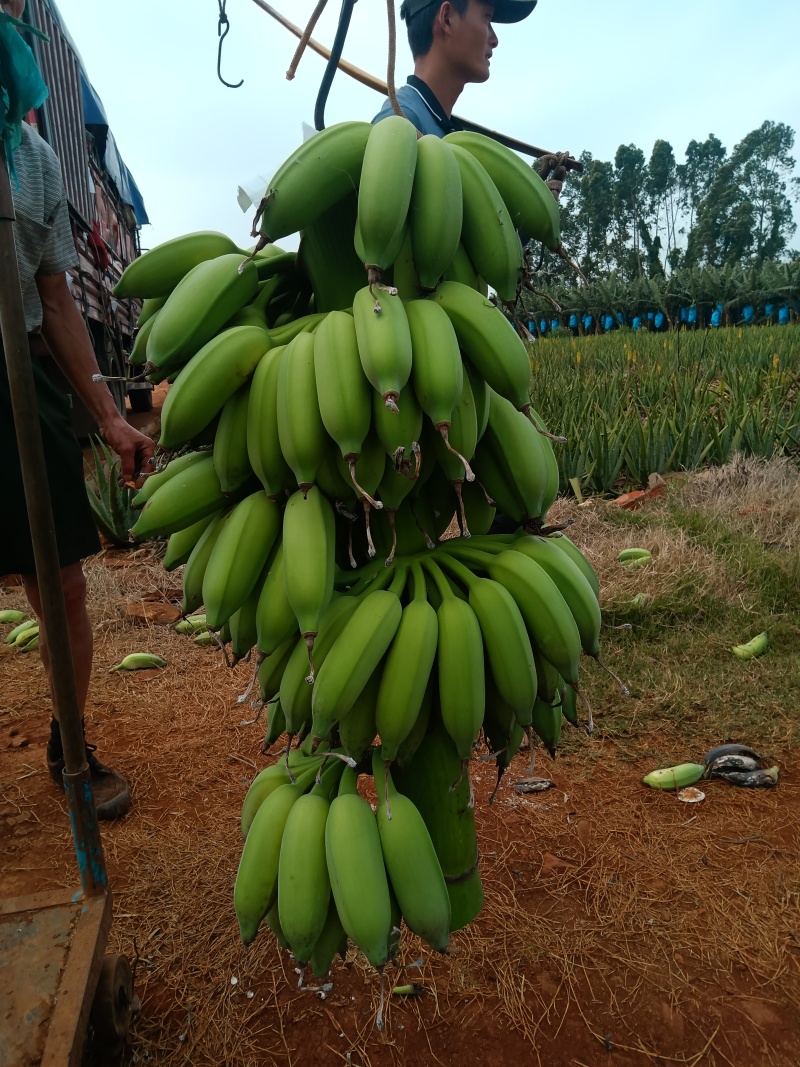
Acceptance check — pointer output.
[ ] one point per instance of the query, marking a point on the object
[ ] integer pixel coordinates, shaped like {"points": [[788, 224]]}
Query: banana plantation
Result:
{"points": [[631, 405], [688, 297]]}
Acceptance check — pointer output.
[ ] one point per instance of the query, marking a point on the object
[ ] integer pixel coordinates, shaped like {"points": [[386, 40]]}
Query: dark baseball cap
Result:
{"points": [[504, 10]]}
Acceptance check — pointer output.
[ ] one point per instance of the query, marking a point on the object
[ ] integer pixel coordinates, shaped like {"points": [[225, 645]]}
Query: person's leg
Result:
{"points": [[73, 582], [111, 793]]}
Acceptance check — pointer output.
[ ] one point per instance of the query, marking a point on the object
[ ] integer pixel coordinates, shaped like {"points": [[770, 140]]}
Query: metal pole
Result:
{"points": [[77, 780]]}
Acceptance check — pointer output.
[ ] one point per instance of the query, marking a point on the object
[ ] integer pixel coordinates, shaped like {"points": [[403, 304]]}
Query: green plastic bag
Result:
{"points": [[21, 85]]}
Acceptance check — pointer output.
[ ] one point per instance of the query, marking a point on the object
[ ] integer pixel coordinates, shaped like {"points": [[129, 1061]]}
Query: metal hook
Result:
{"points": [[222, 32]]}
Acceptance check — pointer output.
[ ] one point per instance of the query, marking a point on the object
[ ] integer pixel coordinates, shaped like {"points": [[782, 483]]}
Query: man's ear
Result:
{"points": [[444, 20]]}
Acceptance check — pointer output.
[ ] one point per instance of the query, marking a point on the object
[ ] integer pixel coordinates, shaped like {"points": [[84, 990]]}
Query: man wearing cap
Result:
{"points": [[45, 251], [452, 45]]}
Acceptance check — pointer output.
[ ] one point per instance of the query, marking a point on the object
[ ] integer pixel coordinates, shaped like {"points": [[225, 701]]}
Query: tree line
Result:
{"points": [[637, 217]]}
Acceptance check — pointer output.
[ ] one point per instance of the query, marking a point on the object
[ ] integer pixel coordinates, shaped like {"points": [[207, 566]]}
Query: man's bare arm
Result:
{"points": [[71, 347]]}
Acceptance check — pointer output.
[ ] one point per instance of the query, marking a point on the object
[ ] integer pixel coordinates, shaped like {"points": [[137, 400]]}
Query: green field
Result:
{"points": [[633, 404]]}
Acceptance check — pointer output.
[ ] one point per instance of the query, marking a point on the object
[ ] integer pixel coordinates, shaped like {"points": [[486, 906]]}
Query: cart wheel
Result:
{"points": [[113, 1001]]}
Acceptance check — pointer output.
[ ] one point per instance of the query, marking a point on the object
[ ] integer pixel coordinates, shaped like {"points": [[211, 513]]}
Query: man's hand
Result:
{"points": [[135, 451]]}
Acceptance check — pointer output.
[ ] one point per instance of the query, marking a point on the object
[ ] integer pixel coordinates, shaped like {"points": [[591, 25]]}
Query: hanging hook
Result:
{"points": [[333, 62], [222, 32]]}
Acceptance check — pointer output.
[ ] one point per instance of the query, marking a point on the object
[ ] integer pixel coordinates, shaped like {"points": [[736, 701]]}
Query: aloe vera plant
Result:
{"points": [[111, 504]]}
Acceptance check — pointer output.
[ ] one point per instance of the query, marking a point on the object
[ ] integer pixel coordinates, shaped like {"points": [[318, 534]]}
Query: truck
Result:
{"points": [[105, 206]]}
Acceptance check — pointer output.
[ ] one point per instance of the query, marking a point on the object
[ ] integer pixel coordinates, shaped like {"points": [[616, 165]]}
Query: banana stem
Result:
{"points": [[444, 430], [623, 688], [399, 581], [350, 459], [379, 1019], [462, 514], [442, 585], [241, 699], [351, 557], [418, 578], [590, 723], [416, 448], [309, 640], [371, 551], [532, 746], [492, 503], [289, 770], [457, 568], [393, 527], [540, 429], [430, 544]]}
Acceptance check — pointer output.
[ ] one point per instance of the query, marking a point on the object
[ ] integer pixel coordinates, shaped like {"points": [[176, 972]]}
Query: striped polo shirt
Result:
{"points": [[42, 231]]}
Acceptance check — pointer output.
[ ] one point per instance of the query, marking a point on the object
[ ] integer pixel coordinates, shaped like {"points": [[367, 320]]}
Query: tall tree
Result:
{"points": [[746, 214], [630, 181], [662, 178], [703, 160]]}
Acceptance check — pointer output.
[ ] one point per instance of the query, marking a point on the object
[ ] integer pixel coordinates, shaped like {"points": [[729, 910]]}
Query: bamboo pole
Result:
{"points": [[77, 780]]}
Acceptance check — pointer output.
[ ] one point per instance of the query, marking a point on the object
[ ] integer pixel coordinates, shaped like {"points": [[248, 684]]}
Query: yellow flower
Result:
{"points": [[658, 368], [740, 334], [775, 360], [665, 344], [577, 357]]}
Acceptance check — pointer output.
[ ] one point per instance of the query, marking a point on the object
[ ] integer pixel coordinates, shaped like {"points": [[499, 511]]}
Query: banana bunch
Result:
{"points": [[323, 430], [321, 868]]}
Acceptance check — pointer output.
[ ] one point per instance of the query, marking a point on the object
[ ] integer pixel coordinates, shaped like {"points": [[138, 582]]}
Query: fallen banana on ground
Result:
{"points": [[756, 646], [139, 661]]}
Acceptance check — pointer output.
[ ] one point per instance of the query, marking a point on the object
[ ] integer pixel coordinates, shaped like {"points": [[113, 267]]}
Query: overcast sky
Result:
{"points": [[576, 75]]}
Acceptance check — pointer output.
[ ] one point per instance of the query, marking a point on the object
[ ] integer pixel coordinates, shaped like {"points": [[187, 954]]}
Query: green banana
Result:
{"points": [[411, 861], [263, 440], [322, 171], [300, 429], [276, 721], [304, 888], [272, 778], [384, 342], [192, 624], [181, 502], [398, 432], [158, 272], [275, 618], [270, 674], [138, 661], [405, 676], [488, 341], [138, 354], [181, 543], [678, 777], [308, 560], [462, 269], [384, 193], [547, 722], [238, 556], [150, 306], [197, 562], [518, 449], [343, 392], [488, 233], [354, 657], [25, 635], [221, 367], [756, 646], [175, 466], [357, 873], [553, 630], [572, 585], [243, 624], [462, 691], [328, 258], [437, 372], [231, 460], [563, 544], [199, 307], [331, 941], [505, 638], [436, 210], [295, 692], [531, 205], [427, 780], [25, 624], [256, 886]]}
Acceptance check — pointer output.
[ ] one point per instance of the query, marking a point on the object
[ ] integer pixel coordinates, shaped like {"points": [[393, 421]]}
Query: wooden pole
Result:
{"points": [[379, 86], [77, 780]]}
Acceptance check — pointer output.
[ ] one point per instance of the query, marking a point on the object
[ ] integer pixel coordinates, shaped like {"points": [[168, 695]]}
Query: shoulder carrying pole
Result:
{"points": [[77, 781]]}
